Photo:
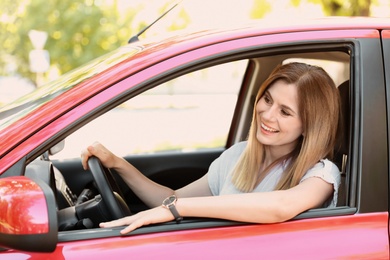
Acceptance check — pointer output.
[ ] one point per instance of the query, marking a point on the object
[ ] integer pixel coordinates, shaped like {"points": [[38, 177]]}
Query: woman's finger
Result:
{"points": [[117, 223], [85, 154], [151, 216], [131, 227], [105, 156]]}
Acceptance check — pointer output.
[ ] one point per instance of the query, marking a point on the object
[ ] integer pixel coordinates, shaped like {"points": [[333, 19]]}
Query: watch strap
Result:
{"points": [[175, 213], [170, 203]]}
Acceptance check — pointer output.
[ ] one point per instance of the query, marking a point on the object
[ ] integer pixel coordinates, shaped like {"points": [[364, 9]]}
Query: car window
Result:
{"points": [[190, 112]]}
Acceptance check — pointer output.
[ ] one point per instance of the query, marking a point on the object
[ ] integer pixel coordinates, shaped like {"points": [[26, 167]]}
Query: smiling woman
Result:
{"points": [[285, 155], [306, 90], [279, 121]]}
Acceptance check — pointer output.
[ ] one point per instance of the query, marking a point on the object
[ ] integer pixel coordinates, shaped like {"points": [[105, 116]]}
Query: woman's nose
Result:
{"points": [[270, 113]]}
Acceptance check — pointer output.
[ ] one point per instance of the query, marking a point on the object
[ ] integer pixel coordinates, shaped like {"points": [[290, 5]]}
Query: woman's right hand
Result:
{"points": [[106, 157], [151, 193]]}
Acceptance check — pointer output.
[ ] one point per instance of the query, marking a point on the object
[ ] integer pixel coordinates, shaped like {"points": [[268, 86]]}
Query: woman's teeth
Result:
{"points": [[268, 128]]}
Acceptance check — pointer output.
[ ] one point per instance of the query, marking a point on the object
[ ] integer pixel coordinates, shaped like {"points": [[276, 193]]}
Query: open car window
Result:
{"points": [[190, 115], [178, 115]]}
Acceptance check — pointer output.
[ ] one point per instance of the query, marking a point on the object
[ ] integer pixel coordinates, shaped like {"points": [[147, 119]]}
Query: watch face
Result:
{"points": [[170, 200]]}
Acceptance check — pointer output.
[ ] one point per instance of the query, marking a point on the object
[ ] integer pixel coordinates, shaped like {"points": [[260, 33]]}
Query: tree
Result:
{"points": [[260, 8], [9, 8], [342, 7], [78, 31]]}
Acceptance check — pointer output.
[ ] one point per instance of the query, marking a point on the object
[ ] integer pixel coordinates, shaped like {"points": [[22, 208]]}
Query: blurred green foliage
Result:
{"points": [[343, 7], [260, 8], [80, 30]]}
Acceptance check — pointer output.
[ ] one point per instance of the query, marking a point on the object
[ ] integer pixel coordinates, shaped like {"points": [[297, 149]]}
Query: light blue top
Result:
{"points": [[220, 174]]}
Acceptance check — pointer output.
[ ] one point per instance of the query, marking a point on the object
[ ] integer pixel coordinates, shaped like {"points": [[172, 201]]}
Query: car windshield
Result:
{"points": [[33, 100]]}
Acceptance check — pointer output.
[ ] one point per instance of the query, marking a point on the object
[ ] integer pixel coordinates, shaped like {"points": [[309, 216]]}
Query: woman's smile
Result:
{"points": [[278, 122], [268, 129]]}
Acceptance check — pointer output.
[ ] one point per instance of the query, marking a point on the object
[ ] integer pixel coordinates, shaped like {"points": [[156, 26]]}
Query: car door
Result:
{"points": [[343, 229]]}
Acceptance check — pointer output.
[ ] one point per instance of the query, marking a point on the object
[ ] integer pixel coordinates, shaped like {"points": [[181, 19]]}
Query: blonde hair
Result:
{"points": [[319, 109]]}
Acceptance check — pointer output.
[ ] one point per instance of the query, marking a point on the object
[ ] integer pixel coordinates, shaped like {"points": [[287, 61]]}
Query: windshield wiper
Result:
{"points": [[135, 38]]}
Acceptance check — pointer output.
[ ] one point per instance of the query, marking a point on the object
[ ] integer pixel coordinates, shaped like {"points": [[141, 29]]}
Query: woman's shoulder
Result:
{"points": [[326, 170], [329, 172], [327, 165]]}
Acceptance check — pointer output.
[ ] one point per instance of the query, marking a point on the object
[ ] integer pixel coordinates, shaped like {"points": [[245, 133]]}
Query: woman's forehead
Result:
{"points": [[284, 94]]}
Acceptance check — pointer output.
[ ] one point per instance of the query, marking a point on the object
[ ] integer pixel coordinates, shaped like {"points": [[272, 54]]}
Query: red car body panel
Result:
{"points": [[354, 237], [386, 34]]}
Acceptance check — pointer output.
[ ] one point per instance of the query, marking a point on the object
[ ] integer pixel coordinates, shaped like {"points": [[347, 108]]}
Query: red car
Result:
{"points": [[170, 107]]}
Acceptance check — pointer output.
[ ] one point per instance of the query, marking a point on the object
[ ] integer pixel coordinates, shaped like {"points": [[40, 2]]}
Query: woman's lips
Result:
{"points": [[268, 129]]}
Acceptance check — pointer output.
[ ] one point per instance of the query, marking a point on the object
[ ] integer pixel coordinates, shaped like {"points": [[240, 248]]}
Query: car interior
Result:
{"points": [[80, 194]]}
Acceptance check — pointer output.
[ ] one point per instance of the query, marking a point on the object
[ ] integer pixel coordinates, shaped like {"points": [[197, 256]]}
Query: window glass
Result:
{"points": [[193, 111]]}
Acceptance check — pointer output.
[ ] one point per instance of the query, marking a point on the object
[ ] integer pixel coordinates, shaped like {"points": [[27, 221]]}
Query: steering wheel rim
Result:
{"points": [[99, 173]]}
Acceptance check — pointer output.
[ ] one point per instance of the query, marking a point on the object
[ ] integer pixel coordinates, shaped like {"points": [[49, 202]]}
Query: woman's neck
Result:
{"points": [[272, 154]]}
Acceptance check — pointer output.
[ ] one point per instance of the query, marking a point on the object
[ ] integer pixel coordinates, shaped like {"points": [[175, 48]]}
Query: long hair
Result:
{"points": [[319, 109]]}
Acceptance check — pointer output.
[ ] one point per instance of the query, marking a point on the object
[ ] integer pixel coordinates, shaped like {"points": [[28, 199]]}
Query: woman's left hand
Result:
{"points": [[147, 217]]}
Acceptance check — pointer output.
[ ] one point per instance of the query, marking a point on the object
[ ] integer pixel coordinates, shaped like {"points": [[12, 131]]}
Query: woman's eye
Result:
{"points": [[267, 100], [285, 113]]}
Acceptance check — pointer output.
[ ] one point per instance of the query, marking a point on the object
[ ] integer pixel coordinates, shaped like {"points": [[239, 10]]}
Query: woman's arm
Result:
{"points": [[263, 207], [151, 193]]}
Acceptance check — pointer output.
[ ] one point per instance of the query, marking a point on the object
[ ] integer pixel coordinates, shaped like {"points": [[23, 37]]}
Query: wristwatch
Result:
{"points": [[170, 203]]}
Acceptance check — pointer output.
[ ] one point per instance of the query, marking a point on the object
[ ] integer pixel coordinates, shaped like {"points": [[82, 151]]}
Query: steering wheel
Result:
{"points": [[105, 181]]}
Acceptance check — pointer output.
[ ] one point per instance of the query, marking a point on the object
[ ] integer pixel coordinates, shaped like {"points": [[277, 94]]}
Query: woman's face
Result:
{"points": [[278, 122]]}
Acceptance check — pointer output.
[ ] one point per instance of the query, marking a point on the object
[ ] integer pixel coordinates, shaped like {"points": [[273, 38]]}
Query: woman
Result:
{"points": [[278, 173]]}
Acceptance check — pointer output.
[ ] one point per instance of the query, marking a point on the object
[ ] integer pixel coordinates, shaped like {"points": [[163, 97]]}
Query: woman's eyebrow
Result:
{"points": [[266, 93], [283, 106]]}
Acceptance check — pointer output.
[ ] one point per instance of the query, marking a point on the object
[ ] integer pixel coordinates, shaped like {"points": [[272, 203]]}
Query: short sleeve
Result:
{"points": [[327, 171]]}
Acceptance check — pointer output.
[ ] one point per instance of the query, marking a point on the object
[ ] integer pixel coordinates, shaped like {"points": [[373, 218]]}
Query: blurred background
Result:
{"points": [[61, 35]]}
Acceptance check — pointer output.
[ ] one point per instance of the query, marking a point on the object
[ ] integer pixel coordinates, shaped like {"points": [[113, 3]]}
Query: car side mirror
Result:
{"points": [[28, 216]]}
